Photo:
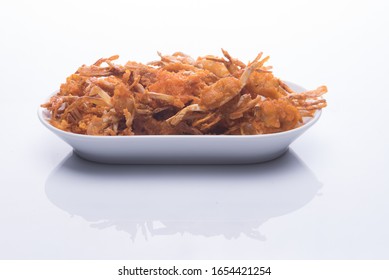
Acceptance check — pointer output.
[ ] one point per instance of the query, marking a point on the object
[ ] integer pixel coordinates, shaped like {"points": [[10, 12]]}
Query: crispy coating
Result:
{"points": [[265, 84], [178, 95]]}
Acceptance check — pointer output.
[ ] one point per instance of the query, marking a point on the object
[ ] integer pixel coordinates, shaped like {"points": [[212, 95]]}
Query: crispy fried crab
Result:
{"points": [[178, 95]]}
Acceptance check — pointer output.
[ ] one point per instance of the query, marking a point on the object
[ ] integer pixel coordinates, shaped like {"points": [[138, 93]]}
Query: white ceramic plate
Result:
{"points": [[187, 149]]}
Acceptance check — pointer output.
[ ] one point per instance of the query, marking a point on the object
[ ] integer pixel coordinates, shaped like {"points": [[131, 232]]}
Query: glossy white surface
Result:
{"points": [[327, 198]]}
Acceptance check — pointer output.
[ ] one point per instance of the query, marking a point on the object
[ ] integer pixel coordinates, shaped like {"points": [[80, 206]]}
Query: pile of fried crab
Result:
{"points": [[178, 95]]}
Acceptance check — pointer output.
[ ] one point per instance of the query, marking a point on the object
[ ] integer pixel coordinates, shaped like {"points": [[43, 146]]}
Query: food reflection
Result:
{"points": [[154, 200]]}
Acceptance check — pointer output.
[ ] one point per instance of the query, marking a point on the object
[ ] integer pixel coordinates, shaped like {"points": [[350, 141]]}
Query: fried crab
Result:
{"points": [[179, 95]]}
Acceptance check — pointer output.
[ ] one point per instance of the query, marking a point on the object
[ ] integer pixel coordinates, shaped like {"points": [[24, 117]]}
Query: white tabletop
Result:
{"points": [[327, 198]]}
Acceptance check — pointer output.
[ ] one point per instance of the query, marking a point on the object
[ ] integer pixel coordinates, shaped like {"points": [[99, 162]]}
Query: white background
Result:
{"points": [[326, 199]]}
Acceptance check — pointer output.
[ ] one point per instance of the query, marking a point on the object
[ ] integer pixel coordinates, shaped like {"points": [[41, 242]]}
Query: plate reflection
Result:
{"points": [[206, 200]]}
